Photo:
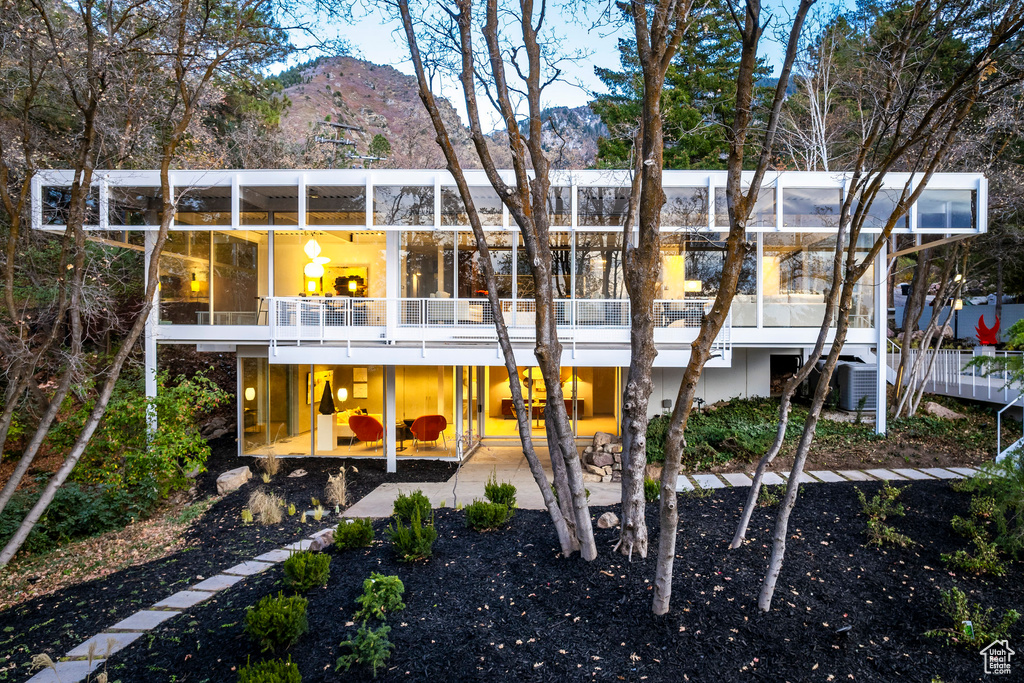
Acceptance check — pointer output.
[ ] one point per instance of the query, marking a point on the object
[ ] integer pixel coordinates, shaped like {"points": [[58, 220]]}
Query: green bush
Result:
{"points": [[999, 499], [769, 496], [270, 671], [883, 505], [983, 627], [985, 560], [305, 569], [657, 430], [482, 515], [413, 542], [381, 595], [407, 504], [354, 533], [652, 490], [370, 647], [277, 622], [502, 494]]}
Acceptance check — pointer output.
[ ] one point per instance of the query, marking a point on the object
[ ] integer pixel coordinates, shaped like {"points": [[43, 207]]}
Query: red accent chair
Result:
{"points": [[428, 428], [367, 429]]}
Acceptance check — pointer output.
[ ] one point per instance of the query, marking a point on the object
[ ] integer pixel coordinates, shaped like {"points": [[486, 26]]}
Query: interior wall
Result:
{"points": [[749, 375], [364, 250]]}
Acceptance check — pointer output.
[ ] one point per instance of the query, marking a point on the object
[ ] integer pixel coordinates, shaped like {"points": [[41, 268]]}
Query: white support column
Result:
{"points": [[150, 333], [459, 426], [389, 418], [881, 326], [759, 281], [392, 282]]}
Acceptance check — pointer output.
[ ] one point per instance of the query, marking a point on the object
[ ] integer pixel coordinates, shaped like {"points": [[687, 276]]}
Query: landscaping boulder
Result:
{"points": [[602, 439], [594, 469], [653, 471], [322, 541], [608, 520], [601, 459], [935, 410], [232, 479], [589, 478], [298, 473]]}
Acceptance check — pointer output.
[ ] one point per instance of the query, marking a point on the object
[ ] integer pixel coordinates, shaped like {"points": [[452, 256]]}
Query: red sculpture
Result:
{"points": [[987, 336]]}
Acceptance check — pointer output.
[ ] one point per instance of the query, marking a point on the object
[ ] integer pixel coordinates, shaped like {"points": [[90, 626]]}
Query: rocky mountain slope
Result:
{"points": [[381, 99]]}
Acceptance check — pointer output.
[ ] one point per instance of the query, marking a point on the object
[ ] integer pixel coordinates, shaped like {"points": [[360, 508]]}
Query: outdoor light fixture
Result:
{"points": [[958, 277], [343, 394], [958, 305], [250, 394]]}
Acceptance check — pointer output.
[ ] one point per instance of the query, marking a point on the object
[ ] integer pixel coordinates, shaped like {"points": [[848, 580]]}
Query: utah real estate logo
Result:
{"points": [[997, 657]]}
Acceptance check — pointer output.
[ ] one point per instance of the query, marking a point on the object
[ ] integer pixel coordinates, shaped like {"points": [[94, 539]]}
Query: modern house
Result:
{"points": [[369, 282]]}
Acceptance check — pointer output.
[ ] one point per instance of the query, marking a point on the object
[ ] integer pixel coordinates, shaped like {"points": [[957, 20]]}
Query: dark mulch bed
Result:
{"points": [[503, 606], [57, 622]]}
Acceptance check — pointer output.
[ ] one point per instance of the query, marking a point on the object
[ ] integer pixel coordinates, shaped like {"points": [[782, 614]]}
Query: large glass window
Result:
{"points": [[352, 392], [135, 206], [485, 199], [602, 205], [275, 412], [797, 271], [57, 205], [763, 215], [428, 265], [951, 209], [560, 206], [472, 284], [424, 405], [203, 205], [811, 207], [599, 266], [561, 268], [691, 268], [355, 264], [403, 205], [685, 207], [269, 205], [336, 205], [232, 292], [881, 209]]}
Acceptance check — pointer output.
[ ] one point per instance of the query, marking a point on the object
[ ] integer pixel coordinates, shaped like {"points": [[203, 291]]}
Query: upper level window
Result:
{"points": [[403, 205], [485, 199], [811, 207], [135, 206], [203, 205], [685, 207], [57, 206], [336, 205], [952, 209], [560, 206], [881, 209], [603, 206], [269, 205], [763, 215]]}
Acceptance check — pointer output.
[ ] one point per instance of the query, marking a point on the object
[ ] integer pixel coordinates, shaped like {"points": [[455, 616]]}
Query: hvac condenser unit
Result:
{"points": [[857, 381]]}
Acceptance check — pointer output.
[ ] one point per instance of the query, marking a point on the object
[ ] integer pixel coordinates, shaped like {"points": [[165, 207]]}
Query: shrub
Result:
{"points": [[353, 533], [999, 499], [270, 671], [482, 516], [267, 507], [652, 490], [370, 647], [983, 628], [882, 506], [277, 622], [304, 570], [502, 494], [984, 561], [270, 464], [413, 542], [769, 496], [381, 596], [407, 504], [657, 430], [336, 492]]}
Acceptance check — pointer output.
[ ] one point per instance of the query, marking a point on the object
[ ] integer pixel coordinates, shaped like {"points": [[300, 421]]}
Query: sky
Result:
{"points": [[376, 40]]}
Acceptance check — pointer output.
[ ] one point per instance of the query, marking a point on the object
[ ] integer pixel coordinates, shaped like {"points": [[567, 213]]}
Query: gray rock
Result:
{"points": [[608, 520], [298, 473], [616, 476], [616, 466], [935, 410], [232, 479], [607, 469], [606, 478], [589, 478], [602, 459], [594, 469], [602, 438], [615, 447], [322, 541], [588, 450]]}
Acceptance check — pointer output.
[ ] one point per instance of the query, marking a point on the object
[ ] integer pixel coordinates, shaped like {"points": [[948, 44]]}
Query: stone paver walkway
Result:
{"points": [[77, 664], [507, 465]]}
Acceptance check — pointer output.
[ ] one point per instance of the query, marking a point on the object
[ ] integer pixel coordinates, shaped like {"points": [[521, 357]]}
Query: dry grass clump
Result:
{"points": [[267, 507], [270, 464], [336, 492]]}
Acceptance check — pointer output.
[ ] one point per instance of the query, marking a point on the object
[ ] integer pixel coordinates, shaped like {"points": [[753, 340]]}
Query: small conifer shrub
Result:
{"points": [[381, 596], [483, 516], [276, 623], [305, 570], [407, 503], [270, 671], [413, 542], [353, 533]]}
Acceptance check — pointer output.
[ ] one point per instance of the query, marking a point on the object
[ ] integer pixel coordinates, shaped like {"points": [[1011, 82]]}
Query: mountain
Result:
{"points": [[382, 100]]}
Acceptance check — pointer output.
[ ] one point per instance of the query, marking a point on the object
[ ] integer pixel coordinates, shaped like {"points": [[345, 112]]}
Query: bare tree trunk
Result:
{"points": [[13, 397], [999, 290]]}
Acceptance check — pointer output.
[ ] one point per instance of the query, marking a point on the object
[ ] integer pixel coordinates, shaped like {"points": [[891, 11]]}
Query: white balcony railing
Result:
{"points": [[421, 320]]}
